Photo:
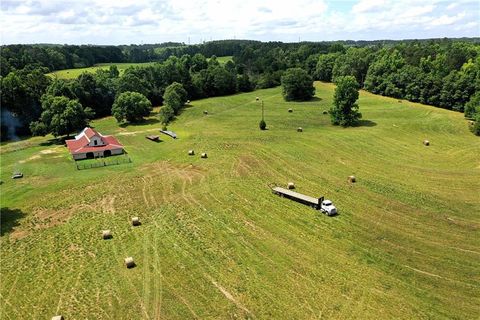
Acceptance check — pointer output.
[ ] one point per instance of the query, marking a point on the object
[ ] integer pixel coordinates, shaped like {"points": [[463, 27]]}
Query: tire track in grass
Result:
{"points": [[129, 282], [182, 299], [177, 253], [2, 312], [144, 192], [158, 287], [189, 254], [225, 226], [229, 296], [308, 279]]}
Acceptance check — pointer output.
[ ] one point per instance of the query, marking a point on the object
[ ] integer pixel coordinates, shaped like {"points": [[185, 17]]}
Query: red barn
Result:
{"points": [[90, 144]]}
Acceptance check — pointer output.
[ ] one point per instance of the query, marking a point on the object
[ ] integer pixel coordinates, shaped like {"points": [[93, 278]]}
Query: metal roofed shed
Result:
{"points": [[169, 133], [17, 175]]}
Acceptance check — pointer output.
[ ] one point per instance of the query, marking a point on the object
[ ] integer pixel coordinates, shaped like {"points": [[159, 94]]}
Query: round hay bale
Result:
{"points": [[205, 112], [257, 98], [58, 318], [106, 234], [290, 185], [426, 142], [299, 129], [325, 112], [471, 122], [188, 101], [191, 152], [129, 263], [290, 110], [135, 221], [352, 179], [204, 155]]}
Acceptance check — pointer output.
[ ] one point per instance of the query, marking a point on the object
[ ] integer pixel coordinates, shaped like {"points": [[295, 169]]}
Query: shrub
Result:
{"points": [[262, 125]]}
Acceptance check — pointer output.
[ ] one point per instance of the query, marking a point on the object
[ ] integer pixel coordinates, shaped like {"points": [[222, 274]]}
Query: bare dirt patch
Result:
{"points": [[244, 165]]}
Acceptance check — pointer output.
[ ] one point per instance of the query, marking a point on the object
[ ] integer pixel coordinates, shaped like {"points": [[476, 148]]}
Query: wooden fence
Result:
{"points": [[102, 162]]}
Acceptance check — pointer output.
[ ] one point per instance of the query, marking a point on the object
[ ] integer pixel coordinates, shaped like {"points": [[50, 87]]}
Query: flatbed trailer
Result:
{"points": [[301, 198]]}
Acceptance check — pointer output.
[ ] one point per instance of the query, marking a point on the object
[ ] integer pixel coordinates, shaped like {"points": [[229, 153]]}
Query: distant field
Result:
{"points": [[224, 59], [215, 243], [74, 73]]}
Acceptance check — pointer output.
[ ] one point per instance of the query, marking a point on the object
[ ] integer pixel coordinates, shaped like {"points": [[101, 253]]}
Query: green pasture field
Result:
{"points": [[215, 243], [74, 73]]}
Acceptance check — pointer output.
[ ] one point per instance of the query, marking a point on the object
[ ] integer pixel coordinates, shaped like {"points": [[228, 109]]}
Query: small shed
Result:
{"points": [[153, 138]]}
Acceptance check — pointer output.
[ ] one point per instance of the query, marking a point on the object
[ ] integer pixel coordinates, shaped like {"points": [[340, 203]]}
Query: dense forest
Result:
{"points": [[440, 72]]}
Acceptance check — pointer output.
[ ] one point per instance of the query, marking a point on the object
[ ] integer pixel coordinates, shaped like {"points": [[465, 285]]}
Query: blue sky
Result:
{"points": [[155, 21]]}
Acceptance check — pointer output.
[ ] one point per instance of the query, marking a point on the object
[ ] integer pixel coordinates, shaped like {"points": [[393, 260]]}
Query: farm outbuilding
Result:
{"points": [[90, 144]]}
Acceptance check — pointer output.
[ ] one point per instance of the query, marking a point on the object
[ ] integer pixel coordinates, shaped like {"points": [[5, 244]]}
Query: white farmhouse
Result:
{"points": [[90, 144]]}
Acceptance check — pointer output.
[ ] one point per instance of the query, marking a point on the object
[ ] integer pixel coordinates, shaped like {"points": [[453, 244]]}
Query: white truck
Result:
{"points": [[327, 207]]}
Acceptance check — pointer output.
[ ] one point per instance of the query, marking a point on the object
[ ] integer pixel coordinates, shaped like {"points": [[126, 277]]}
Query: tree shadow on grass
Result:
{"points": [[185, 107], [55, 141], [9, 219], [315, 99], [365, 123], [148, 121]]}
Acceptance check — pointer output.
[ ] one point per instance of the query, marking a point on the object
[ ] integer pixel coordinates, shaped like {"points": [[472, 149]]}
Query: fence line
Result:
{"points": [[102, 163]]}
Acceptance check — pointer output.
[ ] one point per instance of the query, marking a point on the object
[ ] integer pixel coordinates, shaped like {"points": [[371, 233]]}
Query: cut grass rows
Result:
{"points": [[216, 243]]}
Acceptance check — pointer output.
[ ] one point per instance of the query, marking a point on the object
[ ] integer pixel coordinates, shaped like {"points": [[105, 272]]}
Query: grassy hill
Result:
{"points": [[216, 243], [74, 73]]}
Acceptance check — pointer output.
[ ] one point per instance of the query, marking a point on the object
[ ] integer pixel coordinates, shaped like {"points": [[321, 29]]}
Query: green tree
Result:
{"points": [[476, 125], [354, 62], [175, 97], [344, 111], [310, 65], [268, 80], [244, 84], [199, 62], [134, 80], [222, 81], [131, 106], [325, 65], [61, 116], [21, 92], [473, 106], [297, 85], [166, 114], [383, 71]]}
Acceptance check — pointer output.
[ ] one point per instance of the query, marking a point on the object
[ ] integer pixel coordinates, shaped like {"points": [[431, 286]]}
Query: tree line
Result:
{"points": [[441, 72], [45, 105]]}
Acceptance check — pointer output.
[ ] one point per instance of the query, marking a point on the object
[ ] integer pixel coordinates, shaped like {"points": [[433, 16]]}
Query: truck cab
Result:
{"points": [[327, 207]]}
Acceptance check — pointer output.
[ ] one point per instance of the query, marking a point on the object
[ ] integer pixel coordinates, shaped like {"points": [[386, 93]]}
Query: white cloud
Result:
{"points": [[134, 21], [445, 20], [452, 6], [368, 6]]}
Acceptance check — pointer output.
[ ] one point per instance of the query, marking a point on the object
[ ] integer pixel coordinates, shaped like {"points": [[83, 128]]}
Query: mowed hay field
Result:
{"points": [[215, 243], [74, 73]]}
